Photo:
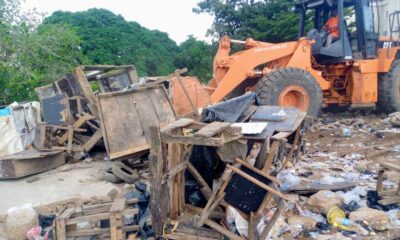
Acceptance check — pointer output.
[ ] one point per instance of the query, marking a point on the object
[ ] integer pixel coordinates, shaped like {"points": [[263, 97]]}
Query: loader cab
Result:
{"points": [[357, 37]]}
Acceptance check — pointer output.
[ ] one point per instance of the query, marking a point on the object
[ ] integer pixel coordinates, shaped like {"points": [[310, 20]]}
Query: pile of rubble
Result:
{"points": [[234, 170]]}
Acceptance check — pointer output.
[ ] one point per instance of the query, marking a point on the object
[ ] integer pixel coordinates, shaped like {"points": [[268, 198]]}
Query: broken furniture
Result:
{"points": [[79, 83], [80, 136], [106, 219], [171, 149], [29, 162], [125, 118], [388, 197], [250, 191], [281, 141]]}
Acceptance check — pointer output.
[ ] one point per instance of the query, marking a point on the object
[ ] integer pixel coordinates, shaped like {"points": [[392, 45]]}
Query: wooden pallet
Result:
{"points": [[67, 221]]}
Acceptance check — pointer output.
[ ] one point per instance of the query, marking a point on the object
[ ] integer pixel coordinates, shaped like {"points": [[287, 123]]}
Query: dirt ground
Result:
{"points": [[47, 191]]}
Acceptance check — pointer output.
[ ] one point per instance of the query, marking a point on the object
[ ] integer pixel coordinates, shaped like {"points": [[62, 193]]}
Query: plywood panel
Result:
{"points": [[127, 115]]}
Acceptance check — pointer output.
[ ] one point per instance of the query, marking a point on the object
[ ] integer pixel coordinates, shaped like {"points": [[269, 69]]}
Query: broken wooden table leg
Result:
{"points": [[267, 229], [220, 188]]}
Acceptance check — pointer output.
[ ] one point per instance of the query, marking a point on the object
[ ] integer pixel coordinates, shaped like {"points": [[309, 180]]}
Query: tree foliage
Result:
{"points": [[266, 20], [110, 39], [32, 55], [197, 56]]}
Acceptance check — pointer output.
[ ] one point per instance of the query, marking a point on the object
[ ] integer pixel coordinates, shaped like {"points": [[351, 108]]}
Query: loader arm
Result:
{"points": [[230, 71]]}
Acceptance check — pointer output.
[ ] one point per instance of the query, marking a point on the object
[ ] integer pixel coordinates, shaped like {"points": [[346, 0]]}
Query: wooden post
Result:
{"points": [[159, 194], [117, 219], [252, 228], [289, 155], [174, 157], [70, 138], [379, 184], [61, 228], [194, 108], [87, 91], [271, 155]]}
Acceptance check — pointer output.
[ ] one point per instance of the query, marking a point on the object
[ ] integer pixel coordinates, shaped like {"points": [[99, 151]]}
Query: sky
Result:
{"points": [[174, 17]]}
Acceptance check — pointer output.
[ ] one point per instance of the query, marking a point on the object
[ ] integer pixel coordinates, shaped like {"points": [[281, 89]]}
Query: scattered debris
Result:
{"points": [[20, 220]]}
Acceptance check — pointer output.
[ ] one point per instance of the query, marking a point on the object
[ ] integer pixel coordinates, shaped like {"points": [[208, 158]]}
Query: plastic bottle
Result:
{"points": [[337, 218]]}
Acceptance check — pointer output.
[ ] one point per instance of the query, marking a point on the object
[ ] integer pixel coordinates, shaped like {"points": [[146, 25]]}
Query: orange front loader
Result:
{"points": [[359, 69]]}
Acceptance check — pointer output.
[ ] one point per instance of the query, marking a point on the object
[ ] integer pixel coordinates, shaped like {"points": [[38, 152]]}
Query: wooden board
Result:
{"points": [[391, 166], [212, 129], [126, 116], [29, 162]]}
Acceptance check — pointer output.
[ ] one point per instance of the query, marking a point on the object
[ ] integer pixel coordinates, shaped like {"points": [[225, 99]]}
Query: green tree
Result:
{"points": [[266, 20], [110, 39], [32, 55], [197, 56]]}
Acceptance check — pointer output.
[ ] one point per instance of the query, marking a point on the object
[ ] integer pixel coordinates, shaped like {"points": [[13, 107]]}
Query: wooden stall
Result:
{"points": [[170, 152]]}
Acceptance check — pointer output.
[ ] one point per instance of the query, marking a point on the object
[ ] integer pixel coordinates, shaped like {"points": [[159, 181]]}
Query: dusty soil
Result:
{"points": [[49, 191]]}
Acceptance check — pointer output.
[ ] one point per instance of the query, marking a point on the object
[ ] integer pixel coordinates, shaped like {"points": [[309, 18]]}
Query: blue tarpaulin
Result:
{"points": [[5, 112]]}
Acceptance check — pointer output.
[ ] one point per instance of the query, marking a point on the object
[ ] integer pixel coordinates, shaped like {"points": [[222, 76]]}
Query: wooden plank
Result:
{"points": [[162, 107], [206, 212], [93, 218], [281, 135], [247, 165], [219, 188], [89, 232], [391, 165], [123, 132], [212, 129], [183, 122], [100, 231], [257, 182], [29, 162], [176, 170], [126, 116], [262, 154], [117, 219], [147, 113], [267, 229], [192, 105], [61, 229], [389, 200], [198, 178], [70, 138], [118, 205], [158, 209], [212, 142], [93, 140], [252, 227], [174, 156], [271, 156], [129, 151], [77, 124], [87, 91], [222, 230], [379, 184], [290, 153], [216, 214]]}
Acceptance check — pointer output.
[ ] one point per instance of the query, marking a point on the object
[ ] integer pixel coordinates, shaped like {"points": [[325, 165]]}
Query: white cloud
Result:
{"points": [[172, 16]]}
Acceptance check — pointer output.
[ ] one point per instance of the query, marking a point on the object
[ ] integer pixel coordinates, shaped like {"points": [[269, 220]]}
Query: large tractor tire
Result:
{"points": [[389, 89], [291, 87]]}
